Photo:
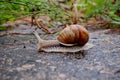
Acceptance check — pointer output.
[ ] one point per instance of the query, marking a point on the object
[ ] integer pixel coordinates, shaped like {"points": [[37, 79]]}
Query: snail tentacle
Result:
{"points": [[44, 43]]}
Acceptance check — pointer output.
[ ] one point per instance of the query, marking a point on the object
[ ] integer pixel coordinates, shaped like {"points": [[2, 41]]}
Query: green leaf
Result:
{"points": [[115, 22], [2, 28]]}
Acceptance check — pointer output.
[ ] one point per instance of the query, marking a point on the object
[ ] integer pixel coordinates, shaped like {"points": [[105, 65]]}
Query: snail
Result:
{"points": [[73, 38]]}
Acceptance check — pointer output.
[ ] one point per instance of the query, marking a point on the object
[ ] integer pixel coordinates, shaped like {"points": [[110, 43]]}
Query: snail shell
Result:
{"points": [[73, 35]]}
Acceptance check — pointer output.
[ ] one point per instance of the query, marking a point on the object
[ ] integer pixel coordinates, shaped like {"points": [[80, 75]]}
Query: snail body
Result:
{"points": [[73, 38]]}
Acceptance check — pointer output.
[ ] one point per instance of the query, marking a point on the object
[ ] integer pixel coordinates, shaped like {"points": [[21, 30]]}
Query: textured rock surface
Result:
{"points": [[20, 60]]}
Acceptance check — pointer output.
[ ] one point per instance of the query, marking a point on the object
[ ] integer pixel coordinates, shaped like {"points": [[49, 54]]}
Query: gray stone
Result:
{"points": [[20, 60]]}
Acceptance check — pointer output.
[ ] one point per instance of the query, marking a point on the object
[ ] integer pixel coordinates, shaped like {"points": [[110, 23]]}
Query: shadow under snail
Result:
{"points": [[73, 38]]}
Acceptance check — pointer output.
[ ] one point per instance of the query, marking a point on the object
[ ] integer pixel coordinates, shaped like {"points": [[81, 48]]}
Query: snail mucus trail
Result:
{"points": [[74, 43]]}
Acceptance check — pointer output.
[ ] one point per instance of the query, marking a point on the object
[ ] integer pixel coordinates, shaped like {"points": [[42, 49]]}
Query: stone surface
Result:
{"points": [[20, 60]]}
